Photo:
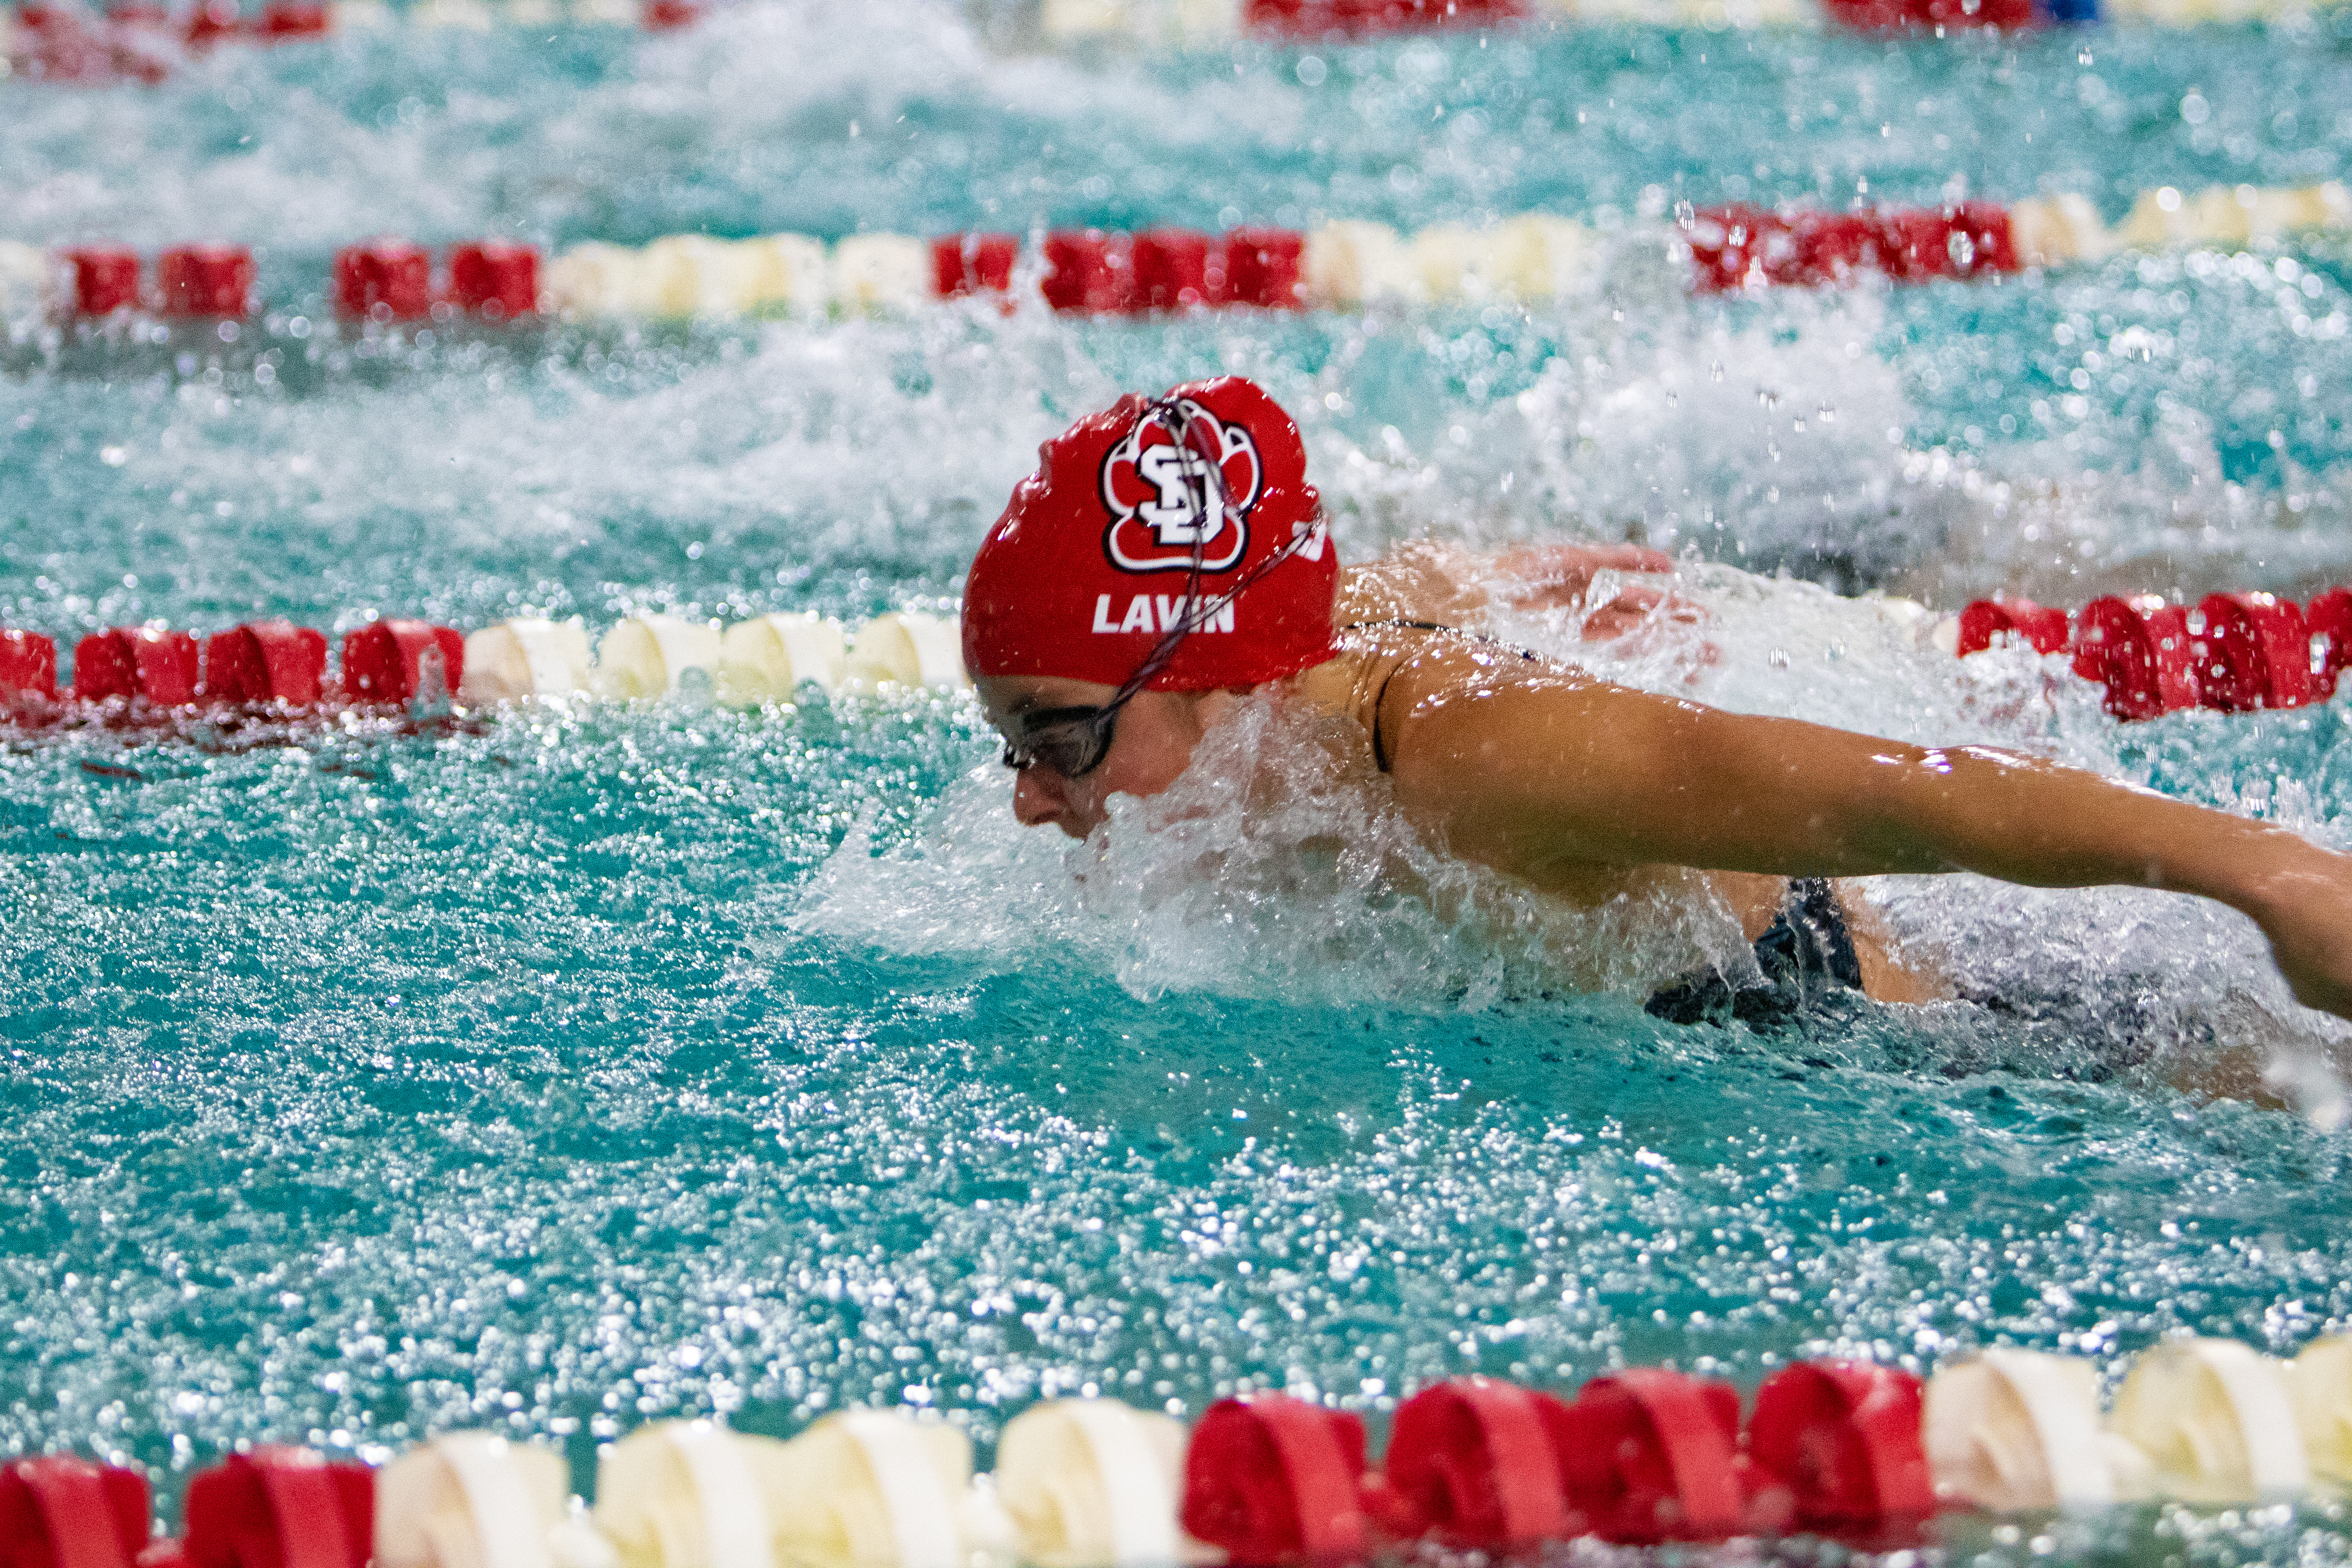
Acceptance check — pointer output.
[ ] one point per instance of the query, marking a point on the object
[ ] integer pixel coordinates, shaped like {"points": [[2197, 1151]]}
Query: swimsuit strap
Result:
{"points": [[1379, 751]]}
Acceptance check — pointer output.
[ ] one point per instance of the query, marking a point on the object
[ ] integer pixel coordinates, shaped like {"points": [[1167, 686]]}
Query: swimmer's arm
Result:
{"points": [[1537, 777]]}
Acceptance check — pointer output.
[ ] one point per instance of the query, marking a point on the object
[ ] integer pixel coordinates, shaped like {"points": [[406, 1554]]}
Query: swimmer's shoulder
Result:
{"points": [[1371, 656]]}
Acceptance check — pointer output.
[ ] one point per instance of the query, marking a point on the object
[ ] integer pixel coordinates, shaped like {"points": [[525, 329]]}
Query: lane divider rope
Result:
{"points": [[154, 672], [2229, 652], [2232, 653], [1857, 1451], [1343, 265]]}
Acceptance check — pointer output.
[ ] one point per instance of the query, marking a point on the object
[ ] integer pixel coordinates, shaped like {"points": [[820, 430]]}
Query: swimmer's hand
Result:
{"points": [[1563, 576], [1428, 580], [1558, 576]]}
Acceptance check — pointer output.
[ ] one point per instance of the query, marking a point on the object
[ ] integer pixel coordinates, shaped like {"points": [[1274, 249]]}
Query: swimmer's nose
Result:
{"points": [[1035, 799]]}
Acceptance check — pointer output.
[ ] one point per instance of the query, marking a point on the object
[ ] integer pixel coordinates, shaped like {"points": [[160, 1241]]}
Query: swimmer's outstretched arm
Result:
{"points": [[1548, 775]]}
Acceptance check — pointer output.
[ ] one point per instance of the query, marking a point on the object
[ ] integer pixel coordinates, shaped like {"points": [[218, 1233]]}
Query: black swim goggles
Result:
{"points": [[1072, 742]]}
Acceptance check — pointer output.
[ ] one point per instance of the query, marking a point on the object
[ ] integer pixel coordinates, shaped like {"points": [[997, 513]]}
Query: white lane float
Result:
{"points": [[599, 280], [655, 656], [874, 1488], [768, 660], [692, 275], [692, 1494], [2319, 1381], [1092, 1483], [527, 658], [765, 659], [2230, 214], [2014, 1430], [1537, 257], [881, 274], [1532, 257], [26, 279], [2050, 231], [2216, 1420], [1352, 262], [908, 648], [474, 1500], [1166, 24]]}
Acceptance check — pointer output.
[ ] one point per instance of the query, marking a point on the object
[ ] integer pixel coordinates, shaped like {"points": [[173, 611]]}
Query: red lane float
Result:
{"points": [[1844, 1439], [1652, 1456], [265, 661], [391, 279], [213, 22], [260, 662], [1740, 247], [2176, 662], [286, 22], [105, 279], [1178, 269], [393, 661], [280, 1508], [2233, 652], [206, 281], [495, 279], [384, 281], [1955, 242], [2328, 618], [2251, 651], [137, 661], [1907, 15], [1091, 271], [2041, 628], [2114, 648], [282, 22], [1264, 267], [1478, 1464], [28, 669], [62, 1511], [1098, 272], [1316, 18], [1270, 1479], [191, 280], [965, 264]]}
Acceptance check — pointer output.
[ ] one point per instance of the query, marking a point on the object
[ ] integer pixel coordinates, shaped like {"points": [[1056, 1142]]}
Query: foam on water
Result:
{"points": [[469, 479], [1277, 867]]}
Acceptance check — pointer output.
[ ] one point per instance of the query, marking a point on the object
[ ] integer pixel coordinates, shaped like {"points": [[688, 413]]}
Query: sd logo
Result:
{"points": [[1165, 500]]}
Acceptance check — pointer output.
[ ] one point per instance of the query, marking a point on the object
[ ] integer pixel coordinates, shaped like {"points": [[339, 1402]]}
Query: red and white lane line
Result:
{"points": [[1340, 266], [1856, 1451]]}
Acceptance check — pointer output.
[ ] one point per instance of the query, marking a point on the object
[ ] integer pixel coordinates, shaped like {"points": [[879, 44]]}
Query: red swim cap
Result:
{"points": [[1085, 574]]}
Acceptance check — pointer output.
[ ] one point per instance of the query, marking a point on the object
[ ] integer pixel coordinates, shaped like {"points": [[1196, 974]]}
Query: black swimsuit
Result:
{"points": [[1805, 953]]}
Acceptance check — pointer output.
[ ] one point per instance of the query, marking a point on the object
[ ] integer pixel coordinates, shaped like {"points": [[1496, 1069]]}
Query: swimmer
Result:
{"points": [[1169, 557]]}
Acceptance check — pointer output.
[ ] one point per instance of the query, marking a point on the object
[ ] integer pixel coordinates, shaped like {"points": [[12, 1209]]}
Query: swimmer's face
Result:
{"points": [[1153, 743]]}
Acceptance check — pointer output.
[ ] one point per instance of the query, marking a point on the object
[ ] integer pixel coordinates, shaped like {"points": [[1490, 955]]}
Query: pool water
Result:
{"points": [[569, 1066]]}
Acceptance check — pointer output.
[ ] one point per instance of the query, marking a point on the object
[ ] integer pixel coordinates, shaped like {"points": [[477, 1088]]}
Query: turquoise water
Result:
{"points": [[582, 1064]]}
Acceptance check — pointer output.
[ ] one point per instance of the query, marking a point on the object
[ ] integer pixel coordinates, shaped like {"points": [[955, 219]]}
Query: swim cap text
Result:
{"points": [[1159, 613]]}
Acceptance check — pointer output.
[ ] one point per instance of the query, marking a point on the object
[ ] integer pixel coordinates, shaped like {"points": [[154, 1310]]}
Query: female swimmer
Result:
{"points": [[1169, 555]]}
